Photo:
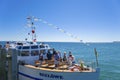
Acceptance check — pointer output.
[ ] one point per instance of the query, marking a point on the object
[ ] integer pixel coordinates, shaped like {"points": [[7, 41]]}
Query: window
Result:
{"points": [[19, 43], [26, 47], [34, 47], [34, 53], [25, 53], [42, 46]]}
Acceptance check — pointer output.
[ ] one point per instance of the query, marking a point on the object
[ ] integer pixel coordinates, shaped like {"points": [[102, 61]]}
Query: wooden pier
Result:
{"points": [[8, 64]]}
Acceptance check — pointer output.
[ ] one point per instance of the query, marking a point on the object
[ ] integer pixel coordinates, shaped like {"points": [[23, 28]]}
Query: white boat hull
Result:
{"points": [[27, 73]]}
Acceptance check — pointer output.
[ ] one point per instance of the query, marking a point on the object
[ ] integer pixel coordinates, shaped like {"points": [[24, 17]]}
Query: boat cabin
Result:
{"points": [[30, 53]]}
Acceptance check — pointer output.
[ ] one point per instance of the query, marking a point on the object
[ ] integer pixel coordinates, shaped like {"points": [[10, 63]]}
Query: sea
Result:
{"points": [[108, 55]]}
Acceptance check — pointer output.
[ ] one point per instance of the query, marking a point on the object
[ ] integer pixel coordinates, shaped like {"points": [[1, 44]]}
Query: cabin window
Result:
{"points": [[31, 42], [42, 46], [25, 53], [26, 47], [34, 47], [19, 43], [34, 53]]}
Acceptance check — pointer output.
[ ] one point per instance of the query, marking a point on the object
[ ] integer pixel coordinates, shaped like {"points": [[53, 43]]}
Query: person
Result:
{"points": [[45, 57], [71, 61], [49, 55], [70, 53], [41, 58], [56, 59], [64, 57], [54, 52], [59, 54]]}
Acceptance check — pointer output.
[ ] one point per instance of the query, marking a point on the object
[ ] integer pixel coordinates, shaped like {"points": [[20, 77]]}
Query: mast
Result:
{"points": [[30, 21], [96, 55]]}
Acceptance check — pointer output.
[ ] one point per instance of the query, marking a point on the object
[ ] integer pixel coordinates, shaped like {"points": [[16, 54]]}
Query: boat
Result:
{"points": [[30, 67]]}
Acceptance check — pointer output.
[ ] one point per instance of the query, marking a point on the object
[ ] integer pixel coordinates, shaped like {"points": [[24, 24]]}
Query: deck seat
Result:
{"points": [[51, 66], [63, 67], [44, 65]]}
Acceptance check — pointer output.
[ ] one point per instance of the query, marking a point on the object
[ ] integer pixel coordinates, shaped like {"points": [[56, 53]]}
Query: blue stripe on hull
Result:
{"points": [[29, 76]]}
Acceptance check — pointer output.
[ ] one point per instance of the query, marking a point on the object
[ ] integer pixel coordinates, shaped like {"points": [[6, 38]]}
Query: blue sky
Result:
{"points": [[90, 20]]}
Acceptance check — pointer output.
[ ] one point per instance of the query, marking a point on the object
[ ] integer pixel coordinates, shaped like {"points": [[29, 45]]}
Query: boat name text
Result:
{"points": [[51, 76]]}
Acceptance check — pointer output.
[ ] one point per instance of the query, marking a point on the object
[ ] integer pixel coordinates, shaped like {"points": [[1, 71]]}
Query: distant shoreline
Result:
{"points": [[116, 41], [68, 42]]}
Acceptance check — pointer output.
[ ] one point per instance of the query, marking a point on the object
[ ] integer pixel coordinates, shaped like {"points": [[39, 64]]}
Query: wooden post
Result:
{"points": [[3, 74], [9, 65], [14, 64]]}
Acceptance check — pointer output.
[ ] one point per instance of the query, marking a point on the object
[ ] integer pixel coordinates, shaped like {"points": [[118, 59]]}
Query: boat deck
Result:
{"points": [[60, 69]]}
